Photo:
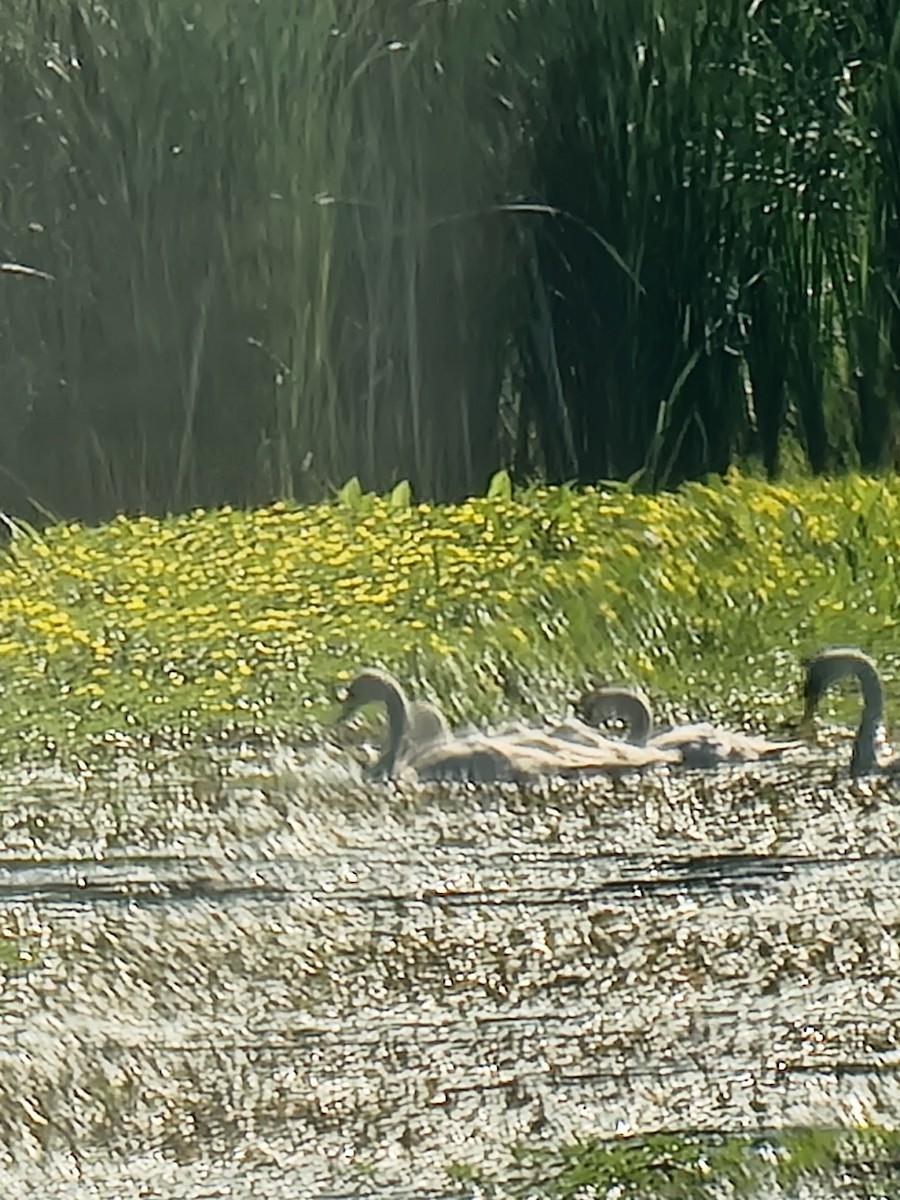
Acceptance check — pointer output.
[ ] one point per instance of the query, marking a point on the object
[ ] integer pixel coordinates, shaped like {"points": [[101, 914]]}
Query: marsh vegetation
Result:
{"points": [[254, 250], [249, 972], [251, 251]]}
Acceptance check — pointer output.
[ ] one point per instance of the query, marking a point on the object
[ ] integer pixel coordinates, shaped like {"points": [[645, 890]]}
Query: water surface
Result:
{"points": [[255, 974]]}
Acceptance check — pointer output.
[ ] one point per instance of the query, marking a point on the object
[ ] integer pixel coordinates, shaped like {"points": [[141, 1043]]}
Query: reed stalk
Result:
{"points": [[258, 249]]}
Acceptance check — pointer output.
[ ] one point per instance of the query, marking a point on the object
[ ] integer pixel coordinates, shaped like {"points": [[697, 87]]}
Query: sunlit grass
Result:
{"points": [[9, 952], [212, 619], [18, 952]]}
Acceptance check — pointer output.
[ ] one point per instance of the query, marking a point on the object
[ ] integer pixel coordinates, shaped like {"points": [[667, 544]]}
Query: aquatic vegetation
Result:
{"points": [[691, 1166], [9, 952], [19, 951], [505, 603]]}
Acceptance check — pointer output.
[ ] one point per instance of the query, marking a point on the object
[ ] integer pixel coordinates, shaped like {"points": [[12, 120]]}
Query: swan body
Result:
{"points": [[418, 736], [426, 725], [567, 742], [518, 754], [572, 729], [700, 744], [827, 667]]}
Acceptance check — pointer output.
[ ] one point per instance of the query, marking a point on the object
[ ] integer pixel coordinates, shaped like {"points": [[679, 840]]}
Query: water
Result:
{"points": [[254, 974]]}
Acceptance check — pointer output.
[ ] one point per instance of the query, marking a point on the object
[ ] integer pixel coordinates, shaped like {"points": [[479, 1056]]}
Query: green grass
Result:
{"points": [[856, 1161], [18, 953], [9, 953], [216, 620]]}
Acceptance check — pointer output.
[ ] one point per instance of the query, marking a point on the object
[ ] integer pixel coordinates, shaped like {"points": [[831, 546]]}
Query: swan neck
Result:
{"points": [[864, 757], [397, 707], [640, 720]]}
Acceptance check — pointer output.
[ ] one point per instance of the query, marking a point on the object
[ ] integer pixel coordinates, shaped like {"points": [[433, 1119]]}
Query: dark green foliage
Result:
{"points": [[729, 155], [789, 1162], [274, 245]]}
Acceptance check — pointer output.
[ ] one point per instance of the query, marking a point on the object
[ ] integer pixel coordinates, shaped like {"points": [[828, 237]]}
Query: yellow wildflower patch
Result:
{"points": [[274, 605]]}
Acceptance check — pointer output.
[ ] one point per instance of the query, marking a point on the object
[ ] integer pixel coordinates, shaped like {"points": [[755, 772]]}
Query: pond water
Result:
{"points": [[256, 975]]}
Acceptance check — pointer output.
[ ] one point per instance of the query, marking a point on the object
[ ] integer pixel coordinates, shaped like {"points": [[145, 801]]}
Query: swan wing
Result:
{"points": [[529, 754], [470, 759], [565, 755], [574, 730], [706, 745]]}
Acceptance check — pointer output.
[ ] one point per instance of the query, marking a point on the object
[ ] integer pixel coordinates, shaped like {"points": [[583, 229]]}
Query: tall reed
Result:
{"points": [[723, 151], [256, 249], [274, 254]]}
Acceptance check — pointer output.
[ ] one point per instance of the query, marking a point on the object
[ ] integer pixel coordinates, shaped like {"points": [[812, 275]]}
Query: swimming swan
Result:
{"points": [[574, 741], [700, 744], [517, 754], [827, 667], [438, 758], [427, 725]]}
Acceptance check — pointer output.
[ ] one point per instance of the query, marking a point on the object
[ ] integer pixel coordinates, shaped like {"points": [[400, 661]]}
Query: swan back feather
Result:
{"points": [[699, 744]]}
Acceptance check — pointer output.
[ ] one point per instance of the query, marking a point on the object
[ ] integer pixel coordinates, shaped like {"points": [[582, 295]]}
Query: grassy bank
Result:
{"points": [[792, 1162], [505, 603]]}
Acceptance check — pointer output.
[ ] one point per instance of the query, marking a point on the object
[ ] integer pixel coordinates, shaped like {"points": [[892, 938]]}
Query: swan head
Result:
{"points": [[368, 687], [608, 700], [623, 701], [827, 667]]}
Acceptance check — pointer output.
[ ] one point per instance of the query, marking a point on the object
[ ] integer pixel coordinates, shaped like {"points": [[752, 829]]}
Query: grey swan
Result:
{"points": [[699, 744], [426, 726], [519, 754], [829, 666]]}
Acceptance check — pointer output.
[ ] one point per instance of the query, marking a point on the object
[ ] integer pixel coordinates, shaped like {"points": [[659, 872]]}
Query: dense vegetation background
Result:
{"points": [[273, 245]]}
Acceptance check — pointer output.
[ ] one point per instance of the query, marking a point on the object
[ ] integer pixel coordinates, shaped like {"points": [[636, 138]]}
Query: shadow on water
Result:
{"points": [[254, 978]]}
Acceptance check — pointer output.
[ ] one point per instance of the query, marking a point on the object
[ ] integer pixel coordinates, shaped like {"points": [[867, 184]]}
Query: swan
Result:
{"points": [[827, 667], [700, 744], [517, 754], [426, 725], [579, 743], [441, 757]]}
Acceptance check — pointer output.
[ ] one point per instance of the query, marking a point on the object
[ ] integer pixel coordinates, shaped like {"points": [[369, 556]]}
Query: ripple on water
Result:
{"points": [[259, 972]]}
